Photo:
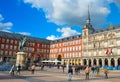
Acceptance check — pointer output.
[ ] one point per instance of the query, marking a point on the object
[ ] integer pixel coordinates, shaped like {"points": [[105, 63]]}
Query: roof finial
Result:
{"points": [[111, 26], [88, 17]]}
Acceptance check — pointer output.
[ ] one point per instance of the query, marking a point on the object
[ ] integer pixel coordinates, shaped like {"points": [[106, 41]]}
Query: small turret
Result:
{"points": [[88, 25]]}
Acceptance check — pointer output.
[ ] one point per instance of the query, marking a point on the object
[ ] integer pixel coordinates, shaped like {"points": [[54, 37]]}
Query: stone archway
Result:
{"points": [[106, 62], [89, 62], [94, 62], [112, 62], [118, 61], [72, 62], [85, 62], [79, 62], [64, 62], [100, 62], [76, 62]]}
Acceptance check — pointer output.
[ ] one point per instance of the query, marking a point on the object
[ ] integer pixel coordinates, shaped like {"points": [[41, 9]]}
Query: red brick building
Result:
{"points": [[9, 43], [70, 48]]}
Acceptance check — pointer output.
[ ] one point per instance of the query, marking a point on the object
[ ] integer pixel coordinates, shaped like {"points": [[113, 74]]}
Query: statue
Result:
{"points": [[22, 44]]}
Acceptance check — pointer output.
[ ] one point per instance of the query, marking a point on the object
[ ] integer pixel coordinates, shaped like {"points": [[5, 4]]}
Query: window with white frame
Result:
{"points": [[10, 52], [38, 45], [32, 49], [73, 55], [77, 42], [2, 46], [105, 44], [33, 44], [70, 48], [11, 41], [6, 52], [65, 55], [15, 41], [70, 55], [60, 45], [3, 40], [11, 47], [79, 54], [67, 49], [6, 46], [14, 53], [47, 51], [73, 48], [77, 48], [7, 41], [1, 52], [60, 50], [15, 47], [94, 53], [80, 47]]}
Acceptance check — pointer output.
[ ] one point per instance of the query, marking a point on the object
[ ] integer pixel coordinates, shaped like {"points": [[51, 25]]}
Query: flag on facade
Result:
{"points": [[107, 51], [110, 51]]}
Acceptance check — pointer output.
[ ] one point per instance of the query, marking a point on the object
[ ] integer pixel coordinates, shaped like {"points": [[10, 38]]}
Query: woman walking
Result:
{"points": [[33, 68]]}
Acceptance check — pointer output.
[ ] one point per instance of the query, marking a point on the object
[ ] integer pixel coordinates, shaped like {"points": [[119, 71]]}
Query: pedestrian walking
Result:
{"points": [[33, 68], [63, 67], [76, 70], [70, 73], [106, 73], [87, 71], [42, 67], [98, 71], [18, 69], [12, 70]]}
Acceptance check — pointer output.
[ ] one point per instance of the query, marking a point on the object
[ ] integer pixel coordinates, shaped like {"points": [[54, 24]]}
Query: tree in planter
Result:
{"points": [[59, 58], [37, 58]]}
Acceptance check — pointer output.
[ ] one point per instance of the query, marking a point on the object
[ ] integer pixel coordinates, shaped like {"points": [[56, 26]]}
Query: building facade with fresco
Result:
{"points": [[99, 47]]}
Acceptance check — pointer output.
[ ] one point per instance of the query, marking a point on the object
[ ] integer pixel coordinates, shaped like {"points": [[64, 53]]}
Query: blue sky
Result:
{"points": [[53, 19]]}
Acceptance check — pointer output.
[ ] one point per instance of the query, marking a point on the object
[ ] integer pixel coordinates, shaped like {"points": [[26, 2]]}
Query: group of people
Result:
{"points": [[87, 72], [18, 69]]}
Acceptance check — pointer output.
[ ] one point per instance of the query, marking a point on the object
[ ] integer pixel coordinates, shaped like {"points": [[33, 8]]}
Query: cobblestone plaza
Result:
{"points": [[48, 75]]}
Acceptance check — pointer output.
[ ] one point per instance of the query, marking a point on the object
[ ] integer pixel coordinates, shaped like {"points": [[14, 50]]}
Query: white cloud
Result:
{"points": [[5, 26], [66, 32], [25, 33], [52, 37], [73, 12]]}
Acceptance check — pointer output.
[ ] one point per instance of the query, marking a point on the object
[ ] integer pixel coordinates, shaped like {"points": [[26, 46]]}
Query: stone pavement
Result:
{"points": [[56, 75]]}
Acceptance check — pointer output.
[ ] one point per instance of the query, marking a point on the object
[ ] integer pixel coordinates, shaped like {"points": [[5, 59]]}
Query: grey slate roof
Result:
{"points": [[67, 38], [19, 36], [107, 28]]}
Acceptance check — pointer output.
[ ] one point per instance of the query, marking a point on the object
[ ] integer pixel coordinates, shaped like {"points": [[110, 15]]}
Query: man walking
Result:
{"points": [[70, 73], [87, 71], [18, 69]]}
